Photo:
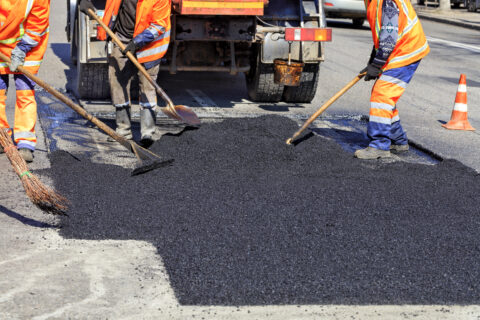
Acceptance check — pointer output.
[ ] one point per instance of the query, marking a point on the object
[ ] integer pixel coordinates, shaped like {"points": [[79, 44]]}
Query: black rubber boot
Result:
{"points": [[147, 126]]}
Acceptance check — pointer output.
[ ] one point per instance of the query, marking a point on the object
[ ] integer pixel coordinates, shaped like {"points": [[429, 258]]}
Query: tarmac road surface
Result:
{"points": [[44, 275]]}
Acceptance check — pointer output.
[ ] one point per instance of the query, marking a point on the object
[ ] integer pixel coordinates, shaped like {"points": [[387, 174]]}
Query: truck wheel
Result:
{"points": [[74, 44], [260, 84], [92, 81], [358, 22], [305, 92], [471, 7]]}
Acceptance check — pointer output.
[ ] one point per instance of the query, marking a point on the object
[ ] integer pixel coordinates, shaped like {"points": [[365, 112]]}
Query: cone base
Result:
{"points": [[458, 125]]}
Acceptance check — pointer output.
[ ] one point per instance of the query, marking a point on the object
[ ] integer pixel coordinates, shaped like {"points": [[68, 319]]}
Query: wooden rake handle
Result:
{"points": [[325, 106], [132, 58], [71, 104]]}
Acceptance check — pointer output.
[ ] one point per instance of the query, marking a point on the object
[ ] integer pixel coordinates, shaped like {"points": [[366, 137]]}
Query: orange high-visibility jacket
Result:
{"points": [[28, 20], [150, 14], [411, 43]]}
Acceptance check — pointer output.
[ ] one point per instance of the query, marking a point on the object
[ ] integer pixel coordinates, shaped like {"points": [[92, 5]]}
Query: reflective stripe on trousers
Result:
{"points": [[384, 126], [25, 110]]}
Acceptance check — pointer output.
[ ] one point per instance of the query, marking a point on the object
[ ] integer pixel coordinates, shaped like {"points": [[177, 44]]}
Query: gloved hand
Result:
{"points": [[17, 58], [131, 47], [85, 5], [373, 72]]}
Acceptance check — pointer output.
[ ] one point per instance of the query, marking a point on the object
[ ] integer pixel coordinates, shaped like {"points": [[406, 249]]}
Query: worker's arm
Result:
{"points": [[387, 38], [36, 25], [156, 28]]}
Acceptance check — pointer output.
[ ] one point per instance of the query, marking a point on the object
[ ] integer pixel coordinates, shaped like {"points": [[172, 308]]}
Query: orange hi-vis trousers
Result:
{"points": [[384, 126], [25, 110]]}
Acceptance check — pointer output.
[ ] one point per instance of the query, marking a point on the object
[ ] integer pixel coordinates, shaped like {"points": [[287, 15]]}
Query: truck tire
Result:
{"points": [[260, 84], [92, 81], [305, 92], [358, 22]]}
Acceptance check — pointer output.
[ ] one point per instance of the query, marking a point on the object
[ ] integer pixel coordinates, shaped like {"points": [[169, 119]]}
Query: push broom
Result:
{"points": [[45, 198]]}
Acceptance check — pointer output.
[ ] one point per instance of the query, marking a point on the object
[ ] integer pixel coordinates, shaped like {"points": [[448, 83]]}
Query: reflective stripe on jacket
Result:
{"points": [[153, 15], [27, 20], [411, 43]]}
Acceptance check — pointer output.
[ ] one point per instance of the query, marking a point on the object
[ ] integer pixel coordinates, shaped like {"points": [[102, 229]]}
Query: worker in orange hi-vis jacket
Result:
{"points": [[399, 45], [23, 38], [144, 27]]}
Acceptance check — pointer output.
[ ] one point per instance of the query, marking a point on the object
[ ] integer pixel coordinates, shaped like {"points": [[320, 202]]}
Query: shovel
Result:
{"points": [[325, 106], [178, 112], [148, 160]]}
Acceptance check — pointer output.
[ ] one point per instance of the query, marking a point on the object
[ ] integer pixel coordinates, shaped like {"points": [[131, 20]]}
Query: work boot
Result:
{"points": [[398, 148], [26, 154], [124, 127], [147, 126], [372, 153]]}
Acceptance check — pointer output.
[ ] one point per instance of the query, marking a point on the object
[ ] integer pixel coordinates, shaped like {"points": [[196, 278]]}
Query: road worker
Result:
{"points": [[399, 45], [144, 27], [23, 38]]}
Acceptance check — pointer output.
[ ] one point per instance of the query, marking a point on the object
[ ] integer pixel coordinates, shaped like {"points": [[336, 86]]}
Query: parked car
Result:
{"points": [[454, 3], [349, 9]]}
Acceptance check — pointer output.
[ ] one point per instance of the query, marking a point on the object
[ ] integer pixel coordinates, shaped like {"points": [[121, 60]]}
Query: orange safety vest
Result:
{"points": [[411, 43], [150, 14], [27, 19]]}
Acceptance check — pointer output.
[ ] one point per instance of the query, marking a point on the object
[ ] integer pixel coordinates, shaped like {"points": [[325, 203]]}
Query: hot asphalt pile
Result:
{"points": [[242, 218]]}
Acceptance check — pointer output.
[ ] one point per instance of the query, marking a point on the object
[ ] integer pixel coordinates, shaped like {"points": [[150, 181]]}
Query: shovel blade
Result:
{"points": [[181, 113], [187, 114]]}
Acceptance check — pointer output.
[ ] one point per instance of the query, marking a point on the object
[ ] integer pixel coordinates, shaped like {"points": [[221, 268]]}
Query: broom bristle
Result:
{"points": [[42, 196]]}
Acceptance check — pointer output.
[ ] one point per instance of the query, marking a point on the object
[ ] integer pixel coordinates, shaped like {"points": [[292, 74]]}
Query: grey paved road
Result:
{"points": [[43, 276]]}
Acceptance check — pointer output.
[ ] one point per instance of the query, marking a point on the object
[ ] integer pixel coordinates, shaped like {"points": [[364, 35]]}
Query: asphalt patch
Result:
{"points": [[241, 218]]}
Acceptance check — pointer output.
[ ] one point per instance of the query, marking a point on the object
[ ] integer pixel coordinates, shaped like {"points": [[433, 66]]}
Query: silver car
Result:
{"points": [[350, 9]]}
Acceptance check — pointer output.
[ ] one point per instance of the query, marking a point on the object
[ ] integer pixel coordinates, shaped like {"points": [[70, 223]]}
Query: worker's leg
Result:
{"points": [[3, 103], [3, 100], [25, 116], [148, 104], [120, 74], [384, 126]]}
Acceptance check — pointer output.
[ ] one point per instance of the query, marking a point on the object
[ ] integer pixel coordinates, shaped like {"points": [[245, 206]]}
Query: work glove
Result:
{"points": [[373, 72], [17, 58], [131, 47], [85, 5]]}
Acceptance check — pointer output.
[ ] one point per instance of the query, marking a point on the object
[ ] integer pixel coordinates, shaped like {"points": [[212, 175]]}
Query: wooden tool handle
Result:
{"points": [[71, 104], [325, 106], [132, 58]]}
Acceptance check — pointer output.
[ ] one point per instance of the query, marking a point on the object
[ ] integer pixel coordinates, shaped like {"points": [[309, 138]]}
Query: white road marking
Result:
{"points": [[202, 99], [454, 44]]}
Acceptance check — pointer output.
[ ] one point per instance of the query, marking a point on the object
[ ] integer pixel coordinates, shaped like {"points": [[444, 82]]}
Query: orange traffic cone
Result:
{"points": [[458, 120]]}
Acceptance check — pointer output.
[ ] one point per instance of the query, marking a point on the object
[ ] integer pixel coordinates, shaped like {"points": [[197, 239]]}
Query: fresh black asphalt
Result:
{"points": [[241, 218]]}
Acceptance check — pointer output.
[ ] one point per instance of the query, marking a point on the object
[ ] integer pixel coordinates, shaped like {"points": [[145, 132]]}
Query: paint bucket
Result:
{"points": [[286, 73]]}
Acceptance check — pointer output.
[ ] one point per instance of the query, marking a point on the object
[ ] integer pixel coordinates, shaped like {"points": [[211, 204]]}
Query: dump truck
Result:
{"points": [[268, 41]]}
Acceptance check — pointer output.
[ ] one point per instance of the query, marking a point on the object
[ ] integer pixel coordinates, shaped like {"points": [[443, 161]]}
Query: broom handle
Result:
{"points": [[72, 105], [326, 105], [132, 58]]}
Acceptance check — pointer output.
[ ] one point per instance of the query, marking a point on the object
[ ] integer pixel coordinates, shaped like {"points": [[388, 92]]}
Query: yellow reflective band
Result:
{"points": [[223, 5]]}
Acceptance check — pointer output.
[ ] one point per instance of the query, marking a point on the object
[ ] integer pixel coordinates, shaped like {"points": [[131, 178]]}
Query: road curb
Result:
{"points": [[448, 21]]}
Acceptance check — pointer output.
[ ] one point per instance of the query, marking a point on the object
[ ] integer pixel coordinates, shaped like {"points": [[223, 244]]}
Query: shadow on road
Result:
{"points": [[25, 220]]}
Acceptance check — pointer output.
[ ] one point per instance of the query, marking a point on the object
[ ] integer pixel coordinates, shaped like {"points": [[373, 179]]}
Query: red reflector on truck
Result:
{"points": [[308, 34]]}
